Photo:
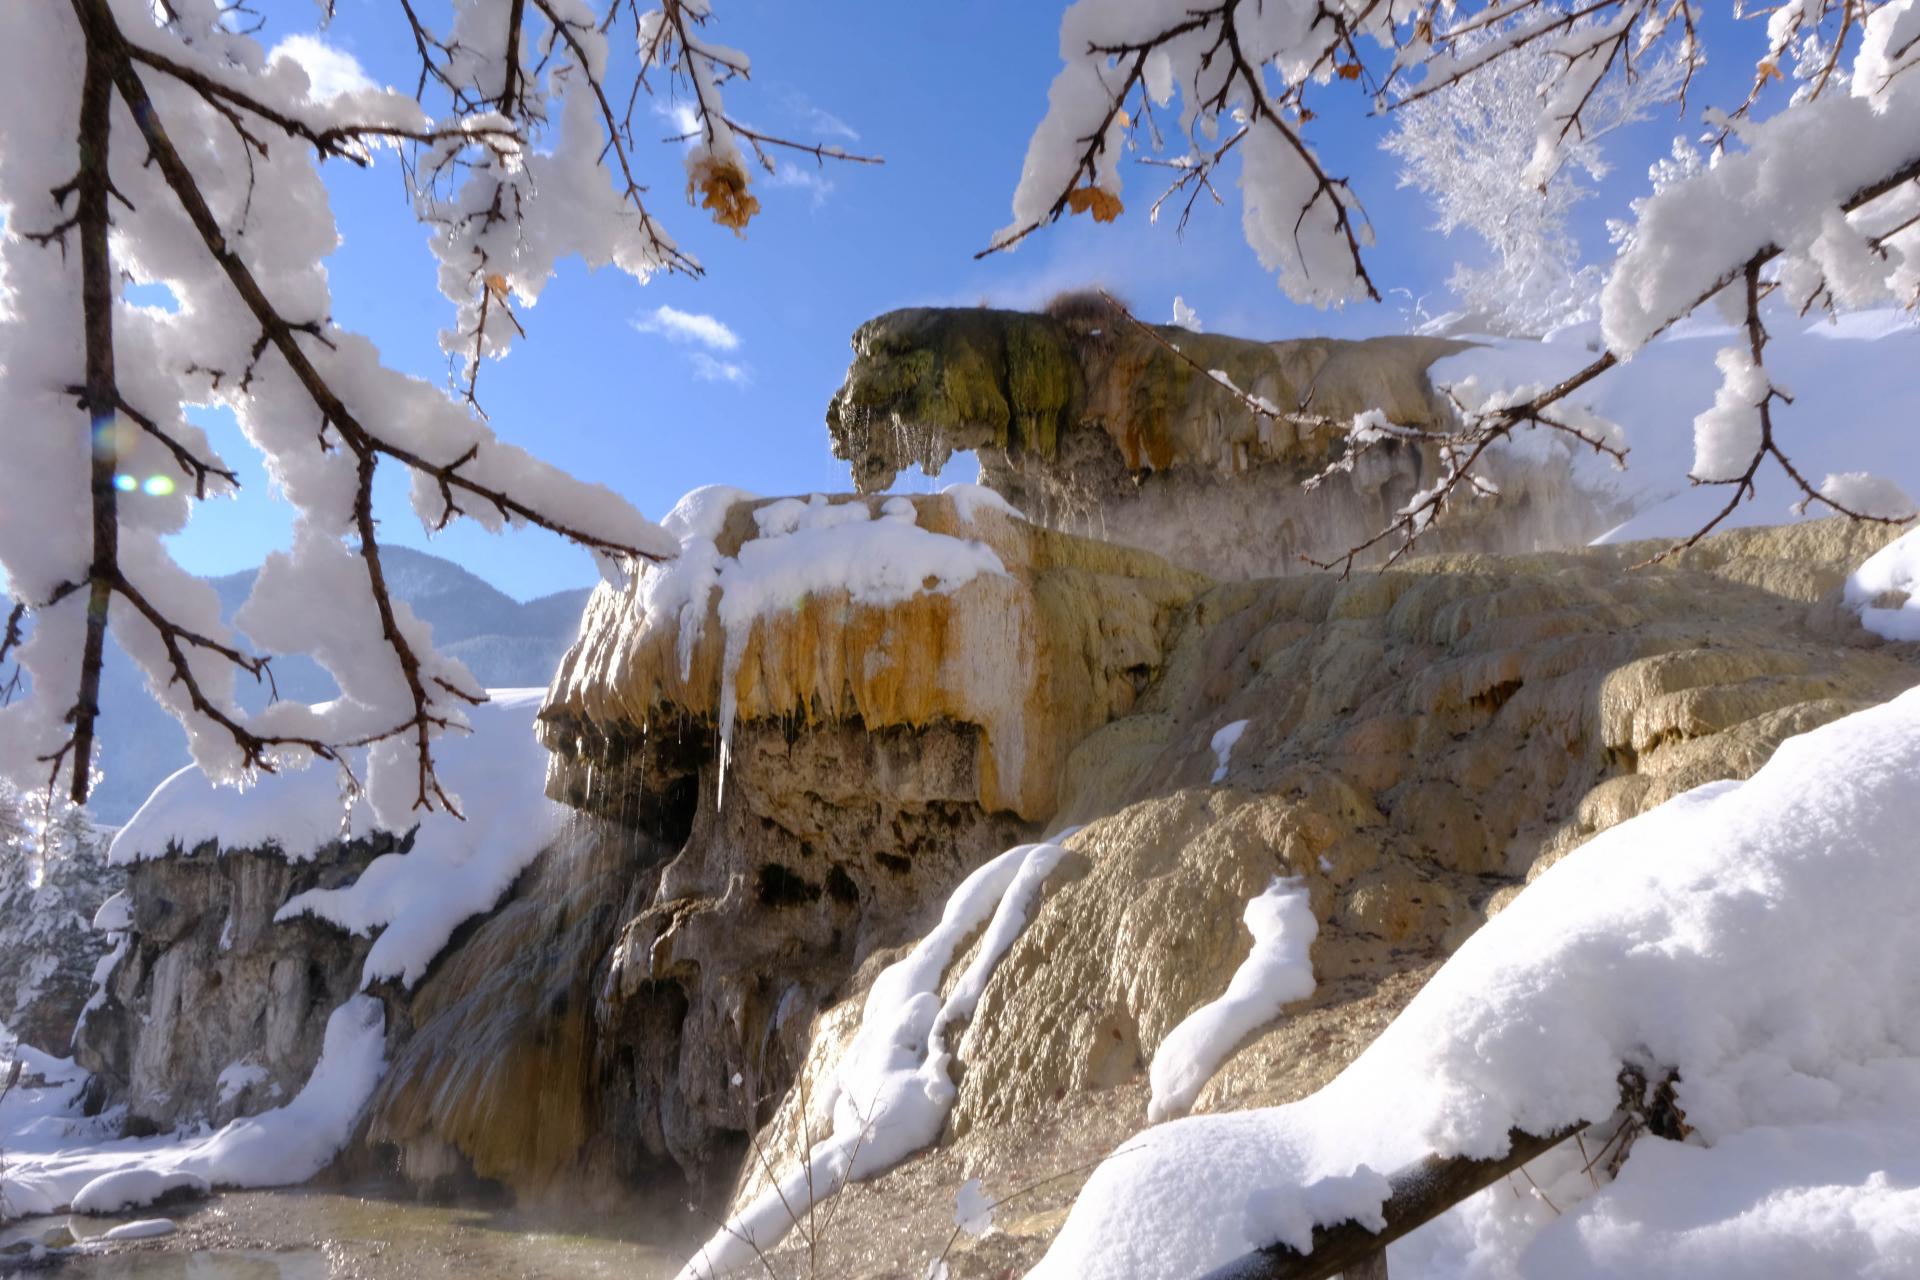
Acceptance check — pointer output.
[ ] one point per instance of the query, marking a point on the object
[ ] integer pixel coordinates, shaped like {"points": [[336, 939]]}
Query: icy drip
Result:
{"points": [[893, 1088]]}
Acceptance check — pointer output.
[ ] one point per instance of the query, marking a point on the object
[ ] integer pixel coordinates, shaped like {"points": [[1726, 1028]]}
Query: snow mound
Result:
{"points": [[1277, 971], [1885, 591], [1755, 938], [455, 868], [298, 812], [893, 1089], [141, 1229], [115, 914], [125, 1188]]}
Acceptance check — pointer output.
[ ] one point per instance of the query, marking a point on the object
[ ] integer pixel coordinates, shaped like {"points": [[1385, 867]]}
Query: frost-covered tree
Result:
{"points": [[1813, 194], [156, 143], [53, 877], [1469, 149]]}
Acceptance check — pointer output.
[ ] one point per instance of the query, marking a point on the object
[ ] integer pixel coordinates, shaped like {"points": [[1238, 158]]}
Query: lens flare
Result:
{"points": [[125, 483], [157, 486]]}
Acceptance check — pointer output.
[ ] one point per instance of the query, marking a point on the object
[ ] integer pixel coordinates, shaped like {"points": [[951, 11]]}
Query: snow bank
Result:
{"points": [[274, 1149], [893, 1090], [1277, 971], [455, 869], [1843, 378], [1886, 590], [1754, 937], [297, 812]]}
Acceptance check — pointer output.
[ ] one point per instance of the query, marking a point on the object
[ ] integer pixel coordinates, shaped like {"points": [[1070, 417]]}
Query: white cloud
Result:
{"points": [[686, 125], [708, 369], [820, 122], [331, 71], [801, 178], [676, 325]]}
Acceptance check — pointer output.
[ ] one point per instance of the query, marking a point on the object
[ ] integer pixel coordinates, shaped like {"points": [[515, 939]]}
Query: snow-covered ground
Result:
{"points": [[1851, 381], [57, 1158]]}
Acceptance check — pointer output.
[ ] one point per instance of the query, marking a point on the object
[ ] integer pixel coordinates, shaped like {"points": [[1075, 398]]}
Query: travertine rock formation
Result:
{"points": [[665, 993], [1087, 424], [1022, 663], [1420, 743], [878, 753]]}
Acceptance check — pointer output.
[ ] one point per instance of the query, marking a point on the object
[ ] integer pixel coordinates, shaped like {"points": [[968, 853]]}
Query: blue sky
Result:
{"points": [[948, 94]]}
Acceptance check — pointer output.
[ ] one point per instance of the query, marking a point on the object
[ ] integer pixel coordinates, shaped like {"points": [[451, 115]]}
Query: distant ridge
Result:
{"points": [[504, 642]]}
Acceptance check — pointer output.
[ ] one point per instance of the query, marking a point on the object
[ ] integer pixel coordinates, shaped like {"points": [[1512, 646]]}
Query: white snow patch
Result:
{"points": [[330, 70], [1277, 971], [1885, 591], [1223, 744], [893, 1089], [972, 1209], [237, 1077], [1754, 937], [455, 869], [805, 548], [1866, 494], [115, 914], [970, 499], [298, 812]]}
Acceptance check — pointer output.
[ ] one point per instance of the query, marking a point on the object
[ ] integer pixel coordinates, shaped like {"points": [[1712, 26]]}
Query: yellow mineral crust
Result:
{"points": [[1035, 657]]}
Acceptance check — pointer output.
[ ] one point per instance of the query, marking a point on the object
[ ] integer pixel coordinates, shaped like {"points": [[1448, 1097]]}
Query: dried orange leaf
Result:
{"points": [[723, 188], [1104, 205], [1348, 70]]}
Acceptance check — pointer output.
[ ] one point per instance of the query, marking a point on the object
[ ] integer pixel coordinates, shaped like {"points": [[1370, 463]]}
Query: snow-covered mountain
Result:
{"points": [[506, 643]]}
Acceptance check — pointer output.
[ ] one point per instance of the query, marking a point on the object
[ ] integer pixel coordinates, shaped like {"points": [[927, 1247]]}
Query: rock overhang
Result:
{"points": [[1029, 636]]}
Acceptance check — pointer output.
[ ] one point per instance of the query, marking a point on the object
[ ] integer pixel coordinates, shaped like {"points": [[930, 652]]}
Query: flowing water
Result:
{"points": [[318, 1235]]}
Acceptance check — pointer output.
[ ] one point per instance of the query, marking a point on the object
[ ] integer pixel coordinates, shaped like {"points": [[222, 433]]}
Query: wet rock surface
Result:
{"points": [[1088, 424]]}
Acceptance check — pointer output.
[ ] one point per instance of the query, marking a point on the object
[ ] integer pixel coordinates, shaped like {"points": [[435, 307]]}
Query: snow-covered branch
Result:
{"points": [[157, 145], [1819, 202]]}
